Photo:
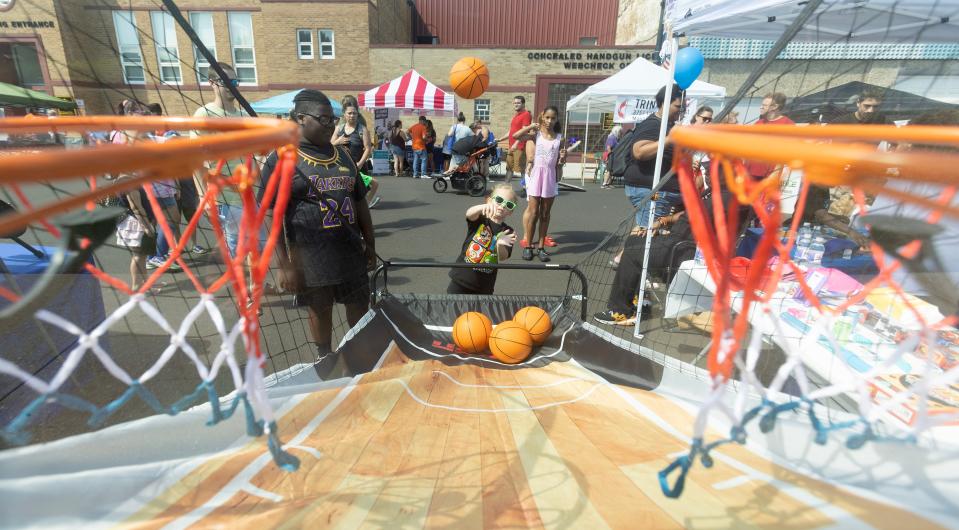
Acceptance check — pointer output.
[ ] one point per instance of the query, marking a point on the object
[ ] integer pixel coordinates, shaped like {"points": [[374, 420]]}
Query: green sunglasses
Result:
{"points": [[509, 205]]}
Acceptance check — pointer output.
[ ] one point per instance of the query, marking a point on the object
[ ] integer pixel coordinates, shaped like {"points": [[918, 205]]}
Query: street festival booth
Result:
{"points": [[281, 105], [412, 94], [631, 95], [877, 334]]}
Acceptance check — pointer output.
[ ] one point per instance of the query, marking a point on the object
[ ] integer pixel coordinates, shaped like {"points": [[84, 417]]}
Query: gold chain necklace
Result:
{"points": [[325, 162]]}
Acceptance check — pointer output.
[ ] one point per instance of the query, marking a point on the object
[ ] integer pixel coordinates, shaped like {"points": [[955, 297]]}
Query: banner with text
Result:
{"points": [[633, 109]]}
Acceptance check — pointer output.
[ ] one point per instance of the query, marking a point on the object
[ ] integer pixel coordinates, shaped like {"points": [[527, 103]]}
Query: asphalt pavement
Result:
{"points": [[415, 223]]}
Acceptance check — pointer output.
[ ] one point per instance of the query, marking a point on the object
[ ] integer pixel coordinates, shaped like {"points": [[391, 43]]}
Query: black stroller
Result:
{"points": [[466, 177]]}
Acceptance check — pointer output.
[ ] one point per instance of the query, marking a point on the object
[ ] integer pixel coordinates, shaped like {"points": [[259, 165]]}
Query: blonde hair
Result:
{"points": [[502, 186]]}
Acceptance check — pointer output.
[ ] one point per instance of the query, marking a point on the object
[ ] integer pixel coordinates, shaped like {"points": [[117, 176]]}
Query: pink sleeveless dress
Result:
{"points": [[541, 182]]}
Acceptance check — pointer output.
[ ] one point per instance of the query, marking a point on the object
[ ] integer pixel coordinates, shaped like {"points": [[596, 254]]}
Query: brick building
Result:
{"points": [[103, 51]]}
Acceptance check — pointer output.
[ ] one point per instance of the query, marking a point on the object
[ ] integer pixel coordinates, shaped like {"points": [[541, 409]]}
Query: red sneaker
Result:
{"points": [[549, 242]]}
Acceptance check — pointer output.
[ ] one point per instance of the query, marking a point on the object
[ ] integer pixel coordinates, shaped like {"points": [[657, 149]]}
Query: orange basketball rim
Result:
{"points": [[834, 155]]}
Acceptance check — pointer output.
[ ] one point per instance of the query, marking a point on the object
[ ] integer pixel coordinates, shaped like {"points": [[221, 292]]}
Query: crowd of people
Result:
{"points": [[324, 256], [829, 207]]}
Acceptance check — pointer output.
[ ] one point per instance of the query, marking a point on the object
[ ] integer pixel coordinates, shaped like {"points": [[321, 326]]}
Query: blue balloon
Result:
{"points": [[689, 64]]}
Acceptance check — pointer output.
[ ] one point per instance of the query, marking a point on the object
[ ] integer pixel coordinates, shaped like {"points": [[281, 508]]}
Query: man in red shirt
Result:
{"points": [[516, 153], [770, 113]]}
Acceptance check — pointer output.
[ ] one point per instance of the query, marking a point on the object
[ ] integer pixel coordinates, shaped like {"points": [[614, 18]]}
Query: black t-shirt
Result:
{"points": [[479, 247], [874, 119], [639, 173], [321, 221]]}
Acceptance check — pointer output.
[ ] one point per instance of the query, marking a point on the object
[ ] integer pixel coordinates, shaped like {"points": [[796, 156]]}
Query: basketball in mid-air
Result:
{"points": [[469, 77], [471, 332], [510, 342], [536, 321]]}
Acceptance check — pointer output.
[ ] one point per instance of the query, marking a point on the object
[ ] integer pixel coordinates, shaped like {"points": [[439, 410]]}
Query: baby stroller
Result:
{"points": [[466, 177]]}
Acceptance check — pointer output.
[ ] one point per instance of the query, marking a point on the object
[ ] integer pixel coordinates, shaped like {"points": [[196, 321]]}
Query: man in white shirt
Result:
{"points": [[229, 205]]}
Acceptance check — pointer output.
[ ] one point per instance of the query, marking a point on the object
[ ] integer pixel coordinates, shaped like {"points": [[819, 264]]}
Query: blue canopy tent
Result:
{"points": [[282, 103]]}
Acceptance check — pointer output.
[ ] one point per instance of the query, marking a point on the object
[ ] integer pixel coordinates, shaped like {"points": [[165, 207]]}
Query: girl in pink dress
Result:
{"points": [[544, 155]]}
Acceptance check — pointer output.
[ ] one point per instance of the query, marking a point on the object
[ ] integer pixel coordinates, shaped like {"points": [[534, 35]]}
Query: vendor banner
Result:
{"points": [[633, 109]]}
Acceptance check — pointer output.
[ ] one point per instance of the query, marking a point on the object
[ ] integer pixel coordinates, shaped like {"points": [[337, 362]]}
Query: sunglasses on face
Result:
{"points": [[232, 83], [324, 120], [509, 205]]}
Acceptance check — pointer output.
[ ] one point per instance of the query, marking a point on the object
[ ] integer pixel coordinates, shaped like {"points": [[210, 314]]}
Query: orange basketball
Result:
{"points": [[510, 342], [471, 332], [536, 321], [469, 77]]}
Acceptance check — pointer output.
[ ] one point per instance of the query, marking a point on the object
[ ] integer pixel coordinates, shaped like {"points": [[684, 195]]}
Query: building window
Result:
{"points": [[481, 110], [131, 60], [20, 65], [241, 40], [168, 56], [326, 44], [588, 41], [203, 26], [304, 44]]}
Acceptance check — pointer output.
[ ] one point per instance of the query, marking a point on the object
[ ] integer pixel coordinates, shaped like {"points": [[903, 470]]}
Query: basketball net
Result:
{"points": [[914, 358], [244, 273]]}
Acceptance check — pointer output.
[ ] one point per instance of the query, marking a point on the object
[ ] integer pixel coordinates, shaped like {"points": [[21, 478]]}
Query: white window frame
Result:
{"points": [[321, 44], [124, 49], [234, 47], [164, 27], [300, 43], [199, 61], [476, 111]]}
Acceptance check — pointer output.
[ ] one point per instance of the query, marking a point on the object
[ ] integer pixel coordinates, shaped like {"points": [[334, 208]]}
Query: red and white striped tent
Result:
{"points": [[409, 91]]}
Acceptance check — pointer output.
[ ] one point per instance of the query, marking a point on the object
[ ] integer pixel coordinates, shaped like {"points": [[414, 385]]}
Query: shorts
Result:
{"points": [[355, 291], [397, 151], [516, 160], [665, 201], [167, 202]]}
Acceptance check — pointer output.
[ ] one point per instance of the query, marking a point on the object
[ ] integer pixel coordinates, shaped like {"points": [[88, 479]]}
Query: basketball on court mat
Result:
{"points": [[469, 77], [471, 332], [536, 321], [510, 343]]}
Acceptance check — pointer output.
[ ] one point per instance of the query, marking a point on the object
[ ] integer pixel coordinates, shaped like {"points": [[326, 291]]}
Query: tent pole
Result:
{"points": [[582, 164], [657, 173], [565, 130], [774, 52]]}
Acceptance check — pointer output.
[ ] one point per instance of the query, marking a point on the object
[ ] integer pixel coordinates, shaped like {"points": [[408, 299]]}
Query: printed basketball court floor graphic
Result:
{"points": [[424, 439]]}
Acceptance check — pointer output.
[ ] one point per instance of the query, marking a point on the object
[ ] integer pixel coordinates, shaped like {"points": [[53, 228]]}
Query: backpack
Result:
{"points": [[622, 155]]}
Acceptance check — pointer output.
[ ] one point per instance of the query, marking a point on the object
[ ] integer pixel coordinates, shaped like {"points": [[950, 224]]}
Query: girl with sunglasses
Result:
{"points": [[488, 240]]}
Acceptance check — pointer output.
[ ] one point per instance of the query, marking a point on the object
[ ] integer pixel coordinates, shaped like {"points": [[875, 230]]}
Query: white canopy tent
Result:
{"points": [[887, 21], [640, 79]]}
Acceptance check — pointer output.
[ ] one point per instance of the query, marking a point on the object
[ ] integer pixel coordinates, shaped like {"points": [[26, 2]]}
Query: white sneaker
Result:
{"points": [[375, 201]]}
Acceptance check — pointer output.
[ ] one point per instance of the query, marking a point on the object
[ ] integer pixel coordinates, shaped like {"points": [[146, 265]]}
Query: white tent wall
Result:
{"points": [[640, 79], [862, 20]]}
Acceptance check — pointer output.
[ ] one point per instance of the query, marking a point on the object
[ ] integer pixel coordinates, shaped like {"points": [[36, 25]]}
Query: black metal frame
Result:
{"points": [[397, 264]]}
